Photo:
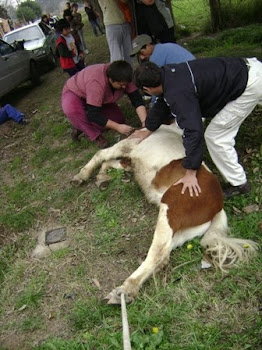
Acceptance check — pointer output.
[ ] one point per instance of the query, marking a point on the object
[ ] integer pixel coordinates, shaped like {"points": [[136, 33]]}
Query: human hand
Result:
{"points": [[140, 134], [124, 129], [189, 180]]}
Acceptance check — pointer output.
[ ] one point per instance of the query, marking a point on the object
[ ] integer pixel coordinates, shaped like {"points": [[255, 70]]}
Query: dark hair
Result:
{"points": [[74, 5], [147, 74], [62, 24], [120, 71], [43, 17]]}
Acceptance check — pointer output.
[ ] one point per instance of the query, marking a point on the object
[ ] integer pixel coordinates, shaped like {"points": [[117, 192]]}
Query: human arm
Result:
{"points": [[64, 51], [96, 116], [138, 103]]}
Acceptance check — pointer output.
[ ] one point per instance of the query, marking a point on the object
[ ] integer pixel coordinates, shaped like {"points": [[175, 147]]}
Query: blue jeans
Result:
{"points": [[94, 24], [9, 112]]}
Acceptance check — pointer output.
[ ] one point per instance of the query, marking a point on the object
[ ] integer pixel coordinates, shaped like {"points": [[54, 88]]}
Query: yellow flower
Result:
{"points": [[189, 246], [155, 330], [246, 245]]}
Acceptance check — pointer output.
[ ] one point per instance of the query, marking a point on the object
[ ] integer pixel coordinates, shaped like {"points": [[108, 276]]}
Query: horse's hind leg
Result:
{"points": [[103, 178]]}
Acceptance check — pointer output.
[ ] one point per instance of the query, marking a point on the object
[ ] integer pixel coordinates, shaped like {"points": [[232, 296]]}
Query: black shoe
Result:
{"points": [[75, 134], [237, 190], [101, 142]]}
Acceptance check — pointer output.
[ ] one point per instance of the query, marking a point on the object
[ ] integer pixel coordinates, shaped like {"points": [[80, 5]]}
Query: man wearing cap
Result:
{"points": [[159, 54], [224, 90]]}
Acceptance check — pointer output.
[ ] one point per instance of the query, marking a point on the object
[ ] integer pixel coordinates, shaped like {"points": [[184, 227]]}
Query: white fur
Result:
{"points": [[147, 157]]}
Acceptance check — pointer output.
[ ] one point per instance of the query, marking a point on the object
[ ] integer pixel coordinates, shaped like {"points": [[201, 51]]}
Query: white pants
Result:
{"points": [[119, 41], [222, 130]]}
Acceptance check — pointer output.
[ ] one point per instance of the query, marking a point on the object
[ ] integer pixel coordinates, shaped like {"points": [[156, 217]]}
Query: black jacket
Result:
{"points": [[193, 90]]}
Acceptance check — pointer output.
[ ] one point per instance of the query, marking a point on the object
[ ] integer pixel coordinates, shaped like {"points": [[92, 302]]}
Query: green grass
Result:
{"points": [[110, 232]]}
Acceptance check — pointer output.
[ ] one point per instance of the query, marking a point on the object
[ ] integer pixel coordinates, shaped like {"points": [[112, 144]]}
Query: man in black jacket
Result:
{"points": [[225, 90]]}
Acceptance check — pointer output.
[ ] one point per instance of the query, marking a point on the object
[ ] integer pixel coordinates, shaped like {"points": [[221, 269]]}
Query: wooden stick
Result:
{"points": [[126, 336]]}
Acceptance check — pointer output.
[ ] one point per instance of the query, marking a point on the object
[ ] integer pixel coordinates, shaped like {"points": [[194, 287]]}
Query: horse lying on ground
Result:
{"points": [[157, 165]]}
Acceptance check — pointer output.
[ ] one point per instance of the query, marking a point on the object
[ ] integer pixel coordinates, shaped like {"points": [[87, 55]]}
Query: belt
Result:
{"points": [[247, 63]]}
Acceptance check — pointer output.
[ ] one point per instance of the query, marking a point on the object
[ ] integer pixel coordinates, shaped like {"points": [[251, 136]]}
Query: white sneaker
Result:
{"points": [[86, 51]]}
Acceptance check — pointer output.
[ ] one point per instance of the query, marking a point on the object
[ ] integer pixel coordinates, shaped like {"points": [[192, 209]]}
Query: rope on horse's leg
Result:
{"points": [[126, 336]]}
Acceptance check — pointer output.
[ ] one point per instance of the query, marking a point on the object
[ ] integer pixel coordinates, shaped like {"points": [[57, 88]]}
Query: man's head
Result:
{"points": [[119, 73], [74, 7], [44, 18], [143, 47], [63, 27], [148, 77], [68, 5]]}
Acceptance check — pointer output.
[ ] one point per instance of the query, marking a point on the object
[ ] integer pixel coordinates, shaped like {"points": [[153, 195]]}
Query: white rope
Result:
{"points": [[126, 336]]}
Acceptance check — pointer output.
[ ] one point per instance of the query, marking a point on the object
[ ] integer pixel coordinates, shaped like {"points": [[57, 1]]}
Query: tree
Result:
{"points": [[28, 10], [3, 13], [215, 14]]}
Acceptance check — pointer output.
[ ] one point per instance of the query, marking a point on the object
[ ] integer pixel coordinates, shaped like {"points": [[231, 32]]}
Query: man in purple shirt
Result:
{"points": [[89, 100]]}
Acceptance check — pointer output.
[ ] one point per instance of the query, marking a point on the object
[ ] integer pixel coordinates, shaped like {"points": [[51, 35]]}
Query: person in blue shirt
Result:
{"points": [[160, 54]]}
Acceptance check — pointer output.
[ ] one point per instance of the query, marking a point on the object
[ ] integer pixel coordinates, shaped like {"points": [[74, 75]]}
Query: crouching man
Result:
{"points": [[225, 90]]}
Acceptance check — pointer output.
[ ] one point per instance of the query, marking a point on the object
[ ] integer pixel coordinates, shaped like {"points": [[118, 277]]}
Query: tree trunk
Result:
{"points": [[215, 12]]}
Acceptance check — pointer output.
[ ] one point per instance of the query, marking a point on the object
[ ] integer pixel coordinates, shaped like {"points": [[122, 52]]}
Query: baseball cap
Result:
{"points": [[139, 42]]}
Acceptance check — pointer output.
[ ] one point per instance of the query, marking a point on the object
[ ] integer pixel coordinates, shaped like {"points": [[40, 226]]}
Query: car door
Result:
{"points": [[50, 43], [14, 66]]}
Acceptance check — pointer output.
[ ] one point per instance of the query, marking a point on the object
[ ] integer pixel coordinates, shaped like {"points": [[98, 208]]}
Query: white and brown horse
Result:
{"points": [[157, 164]]}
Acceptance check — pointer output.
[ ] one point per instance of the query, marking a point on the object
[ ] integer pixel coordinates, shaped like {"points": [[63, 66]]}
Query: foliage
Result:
{"points": [[3, 13], [28, 10], [195, 15]]}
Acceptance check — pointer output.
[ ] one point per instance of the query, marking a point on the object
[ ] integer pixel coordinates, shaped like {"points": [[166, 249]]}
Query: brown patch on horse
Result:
{"points": [[185, 211], [126, 163], [169, 174]]}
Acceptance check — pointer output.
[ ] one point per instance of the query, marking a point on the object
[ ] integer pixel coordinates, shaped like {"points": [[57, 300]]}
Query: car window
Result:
{"points": [[5, 49], [44, 28], [26, 34]]}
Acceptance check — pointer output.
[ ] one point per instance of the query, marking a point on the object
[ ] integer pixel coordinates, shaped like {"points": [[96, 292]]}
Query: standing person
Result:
{"points": [[225, 90], [9, 112], [155, 19], [45, 19], [67, 11], [77, 26], [93, 18], [89, 100], [71, 57], [118, 30], [160, 54]]}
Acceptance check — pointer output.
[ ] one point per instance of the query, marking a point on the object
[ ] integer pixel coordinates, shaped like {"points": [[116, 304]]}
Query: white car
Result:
{"points": [[16, 66], [39, 38]]}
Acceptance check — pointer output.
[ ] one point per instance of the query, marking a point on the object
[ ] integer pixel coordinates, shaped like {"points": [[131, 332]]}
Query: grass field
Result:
{"points": [[56, 303]]}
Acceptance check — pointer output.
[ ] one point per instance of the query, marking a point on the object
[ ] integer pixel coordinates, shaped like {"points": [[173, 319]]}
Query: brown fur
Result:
{"points": [[185, 211]]}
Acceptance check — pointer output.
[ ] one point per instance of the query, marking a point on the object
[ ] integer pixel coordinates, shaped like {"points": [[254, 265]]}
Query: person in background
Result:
{"points": [[51, 20], [67, 11], [224, 90], [160, 54], [77, 26], [154, 18], [45, 19], [89, 100], [71, 57], [118, 30], [93, 18], [9, 112]]}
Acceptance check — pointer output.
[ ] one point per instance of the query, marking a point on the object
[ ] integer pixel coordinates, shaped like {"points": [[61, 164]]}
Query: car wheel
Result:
{"points": [[52, 59], [34, 73]]}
